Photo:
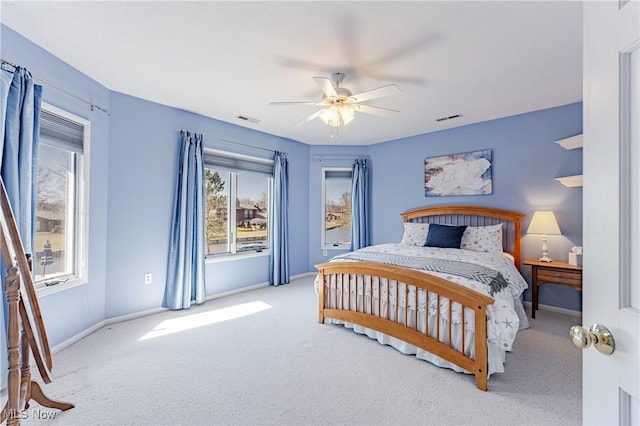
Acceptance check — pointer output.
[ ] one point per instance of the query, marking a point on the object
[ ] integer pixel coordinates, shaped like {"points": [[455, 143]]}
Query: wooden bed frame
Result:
{"points": [[339, 276]]}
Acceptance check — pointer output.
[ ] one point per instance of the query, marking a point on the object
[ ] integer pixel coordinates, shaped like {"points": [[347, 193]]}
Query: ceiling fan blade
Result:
{"points": [[390, 89], [326, 85], [295, 103], [309, 118], [368, 109]]}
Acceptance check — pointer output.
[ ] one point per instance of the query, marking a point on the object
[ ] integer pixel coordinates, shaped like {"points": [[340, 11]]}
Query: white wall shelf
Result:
{"points": [[571, 181], [574, 142]]}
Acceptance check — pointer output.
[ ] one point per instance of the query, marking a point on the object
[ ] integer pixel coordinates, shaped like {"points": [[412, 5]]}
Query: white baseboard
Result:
{"points": [[64, 345], [236, 291], [556, 309], [306, 274], [127, 317]]}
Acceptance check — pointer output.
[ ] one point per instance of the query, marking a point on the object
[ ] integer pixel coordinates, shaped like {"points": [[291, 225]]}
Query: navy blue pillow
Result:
{"points": [[444, 236]]}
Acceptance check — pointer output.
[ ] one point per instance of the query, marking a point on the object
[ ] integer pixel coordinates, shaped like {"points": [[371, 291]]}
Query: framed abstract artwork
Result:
{"points": [[467, 173]]}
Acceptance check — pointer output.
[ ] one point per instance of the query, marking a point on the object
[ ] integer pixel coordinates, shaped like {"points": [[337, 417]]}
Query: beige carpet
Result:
{"points": [[260, 357]]}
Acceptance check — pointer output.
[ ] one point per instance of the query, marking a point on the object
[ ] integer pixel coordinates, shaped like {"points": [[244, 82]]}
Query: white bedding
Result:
{"points": [[504, 318]]}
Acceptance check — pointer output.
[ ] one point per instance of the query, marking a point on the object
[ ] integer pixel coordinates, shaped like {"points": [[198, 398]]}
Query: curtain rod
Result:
{"points": [[336, 157], [230, 141], [73, 95]]}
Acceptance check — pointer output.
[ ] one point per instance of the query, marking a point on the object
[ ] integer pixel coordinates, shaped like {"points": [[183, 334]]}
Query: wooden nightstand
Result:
{"points": [[552, 273]]}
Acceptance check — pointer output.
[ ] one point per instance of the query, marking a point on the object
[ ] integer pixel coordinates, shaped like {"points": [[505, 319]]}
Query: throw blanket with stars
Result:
{"points": [[494, 280]]}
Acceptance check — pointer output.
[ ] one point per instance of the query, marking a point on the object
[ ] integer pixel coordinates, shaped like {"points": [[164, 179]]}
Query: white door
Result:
{"points": [[611, 283]]}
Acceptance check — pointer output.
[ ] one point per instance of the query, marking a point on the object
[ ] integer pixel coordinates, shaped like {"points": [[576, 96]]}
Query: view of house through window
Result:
{"points": [[236, 211], [59, 180], [336, 232]]}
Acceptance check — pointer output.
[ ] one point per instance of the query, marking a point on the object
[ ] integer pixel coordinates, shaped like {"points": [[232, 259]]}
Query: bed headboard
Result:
{"points": [[474, 216]]}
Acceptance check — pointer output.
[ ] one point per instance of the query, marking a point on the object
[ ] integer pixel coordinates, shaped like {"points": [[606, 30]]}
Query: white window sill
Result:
{"points": [[337, 248], [46, 291], [230, 257]]}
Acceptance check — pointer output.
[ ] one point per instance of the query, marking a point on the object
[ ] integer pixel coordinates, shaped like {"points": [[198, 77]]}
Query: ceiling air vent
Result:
{"points": [[249, 119], [450, 117]]}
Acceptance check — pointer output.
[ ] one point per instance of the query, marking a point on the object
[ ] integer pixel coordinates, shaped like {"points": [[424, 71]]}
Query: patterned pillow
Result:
{"points": [[415, 234], [483, 238]]}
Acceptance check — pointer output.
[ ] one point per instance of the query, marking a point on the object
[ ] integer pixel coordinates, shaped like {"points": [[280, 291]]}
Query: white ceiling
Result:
{"points": [[482, 59]]}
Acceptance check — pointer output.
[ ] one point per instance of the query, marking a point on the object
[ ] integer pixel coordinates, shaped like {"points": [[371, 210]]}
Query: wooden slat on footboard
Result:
{"points": [[352, 276]]}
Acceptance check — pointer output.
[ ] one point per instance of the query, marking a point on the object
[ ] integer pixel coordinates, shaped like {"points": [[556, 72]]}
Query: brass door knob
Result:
{"points": [[598, 335]]}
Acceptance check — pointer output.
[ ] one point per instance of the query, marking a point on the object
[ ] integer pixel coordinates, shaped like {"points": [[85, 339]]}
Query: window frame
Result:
{"points": [[81, 210], [232, 239], [323, 230]]}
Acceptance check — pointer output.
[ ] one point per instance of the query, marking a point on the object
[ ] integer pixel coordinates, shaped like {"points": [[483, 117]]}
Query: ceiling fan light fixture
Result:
{"points": [[337, 115], [340, 104]]}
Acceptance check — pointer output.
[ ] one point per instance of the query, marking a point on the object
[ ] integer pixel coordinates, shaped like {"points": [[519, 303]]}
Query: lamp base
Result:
{"points": [[545, 257]]}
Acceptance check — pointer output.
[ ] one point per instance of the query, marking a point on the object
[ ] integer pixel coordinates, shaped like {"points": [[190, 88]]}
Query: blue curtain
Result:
{"points": [[20, 128], [279, 222], [185, 271], [360, 234]]}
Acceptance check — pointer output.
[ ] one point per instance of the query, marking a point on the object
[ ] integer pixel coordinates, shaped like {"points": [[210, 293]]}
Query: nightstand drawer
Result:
{"points": [[565, 277]]}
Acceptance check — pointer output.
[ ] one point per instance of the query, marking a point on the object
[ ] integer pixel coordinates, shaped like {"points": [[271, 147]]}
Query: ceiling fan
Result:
{"points": [[340, 105]]}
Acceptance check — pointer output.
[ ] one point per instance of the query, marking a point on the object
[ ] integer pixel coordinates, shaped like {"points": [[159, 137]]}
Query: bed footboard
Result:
{"points": [[438, 316]]}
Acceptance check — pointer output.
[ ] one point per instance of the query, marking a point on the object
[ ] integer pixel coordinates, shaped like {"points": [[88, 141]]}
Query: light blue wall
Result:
{"points": [[132, 176], [68, 313], [525, 162], [142, 172], [324, 156]]}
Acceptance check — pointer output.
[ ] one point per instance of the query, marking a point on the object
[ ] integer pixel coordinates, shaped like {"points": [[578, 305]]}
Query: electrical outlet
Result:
{"points": [[324, 253], [148, 278]]}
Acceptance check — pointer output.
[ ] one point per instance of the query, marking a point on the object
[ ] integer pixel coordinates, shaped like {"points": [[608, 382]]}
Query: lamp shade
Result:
{"points": [[544, 222]]}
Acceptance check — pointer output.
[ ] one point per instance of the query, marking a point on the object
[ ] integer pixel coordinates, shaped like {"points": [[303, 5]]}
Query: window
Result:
{"points": [[336, 208], [59, 239], [237, 194]]}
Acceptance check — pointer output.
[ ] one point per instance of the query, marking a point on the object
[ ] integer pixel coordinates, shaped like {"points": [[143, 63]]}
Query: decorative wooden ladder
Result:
{"points": [[26, 333]]}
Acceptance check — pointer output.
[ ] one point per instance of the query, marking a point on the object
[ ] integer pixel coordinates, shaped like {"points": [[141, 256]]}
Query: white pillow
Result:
{"points": [[415, 234], [482, 238]]}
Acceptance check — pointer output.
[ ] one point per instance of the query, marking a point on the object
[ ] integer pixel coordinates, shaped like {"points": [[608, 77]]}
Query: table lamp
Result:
{"points": [[544, 222]]}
